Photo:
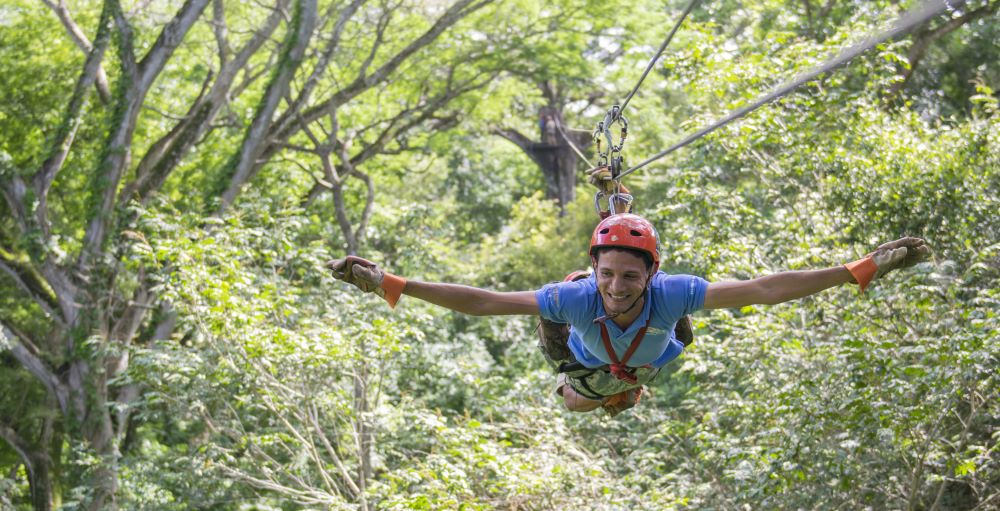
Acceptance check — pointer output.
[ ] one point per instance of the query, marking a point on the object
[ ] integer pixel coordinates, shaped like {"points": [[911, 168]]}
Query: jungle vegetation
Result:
{"points": [[175, 174]]}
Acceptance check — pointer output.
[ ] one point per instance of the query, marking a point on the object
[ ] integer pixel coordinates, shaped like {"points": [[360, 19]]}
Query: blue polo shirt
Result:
{"points": [[668, 299]]}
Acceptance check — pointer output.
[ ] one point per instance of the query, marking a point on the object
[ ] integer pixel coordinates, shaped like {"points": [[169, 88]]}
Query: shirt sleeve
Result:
{"points": [[562, 301], [682, 294], [550, 305]]}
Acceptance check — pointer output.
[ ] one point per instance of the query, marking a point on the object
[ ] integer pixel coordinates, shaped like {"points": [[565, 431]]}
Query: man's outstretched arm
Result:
{"points": [[790, 285], [473, 300], [368, 277], [772, 289]]}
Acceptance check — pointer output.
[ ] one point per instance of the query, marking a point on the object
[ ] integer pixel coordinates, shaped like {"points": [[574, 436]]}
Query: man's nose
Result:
{"points": [[616, 284]]}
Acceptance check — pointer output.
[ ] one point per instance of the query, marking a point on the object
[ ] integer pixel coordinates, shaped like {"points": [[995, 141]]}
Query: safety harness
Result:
{"points": [[618, 368]]}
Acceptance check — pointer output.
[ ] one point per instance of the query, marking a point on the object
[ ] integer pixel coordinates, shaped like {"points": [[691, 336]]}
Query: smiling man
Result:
{"points": [[626, 320]]}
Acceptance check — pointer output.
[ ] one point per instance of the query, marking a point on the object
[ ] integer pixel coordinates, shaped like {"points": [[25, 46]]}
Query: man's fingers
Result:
{"points": [[917, 254], [908, 241], [367, 279], [598, 175], [337, 267], [897, 255], [596, 171], [916, 249], [363, 273]]}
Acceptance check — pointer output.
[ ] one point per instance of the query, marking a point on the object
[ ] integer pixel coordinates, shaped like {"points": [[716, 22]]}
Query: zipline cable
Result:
{"points": [[904, 24], [576, 149], [659, 52]]}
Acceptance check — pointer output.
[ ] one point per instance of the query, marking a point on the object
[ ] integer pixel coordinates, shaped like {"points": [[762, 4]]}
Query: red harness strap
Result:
{"points": [[618, 368]]}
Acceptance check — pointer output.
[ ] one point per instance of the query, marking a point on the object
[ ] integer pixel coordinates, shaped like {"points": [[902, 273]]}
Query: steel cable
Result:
{"points": [[576, 149], [659, 52], [904, 24]]}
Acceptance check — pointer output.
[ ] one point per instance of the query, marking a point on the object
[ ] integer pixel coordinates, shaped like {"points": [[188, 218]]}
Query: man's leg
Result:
{"points": [[572, 399]]}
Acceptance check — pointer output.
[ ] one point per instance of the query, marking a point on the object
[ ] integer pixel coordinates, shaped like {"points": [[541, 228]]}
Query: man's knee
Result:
{"points": [[576, 403]]}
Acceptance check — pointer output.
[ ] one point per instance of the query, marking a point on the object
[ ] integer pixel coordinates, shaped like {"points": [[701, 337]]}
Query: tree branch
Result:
{"points": [[924, 39], [516, 137], [362, 83], [163, 156], [126, 112], [27, 354], [380, 28], [220, 31], [366, 213], [21, 447], [14, 190], [170, 37], [66, 132], [81, 41], [33, 284], [244, 163], [321, 65], [416, 116]]}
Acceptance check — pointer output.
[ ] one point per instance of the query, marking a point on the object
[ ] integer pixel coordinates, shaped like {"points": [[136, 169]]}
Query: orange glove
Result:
{"points": [[368, 277], [902, 253]]}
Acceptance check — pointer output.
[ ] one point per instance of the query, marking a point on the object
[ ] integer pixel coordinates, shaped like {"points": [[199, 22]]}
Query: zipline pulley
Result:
{"points": [[612, 158], [617, 198]]}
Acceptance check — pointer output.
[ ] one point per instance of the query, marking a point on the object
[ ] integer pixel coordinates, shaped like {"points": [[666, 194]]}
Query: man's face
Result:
{"points": [[621, 279]]}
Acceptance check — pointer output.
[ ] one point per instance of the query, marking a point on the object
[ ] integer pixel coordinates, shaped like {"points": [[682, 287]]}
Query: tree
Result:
{"points": [[63, 252], [565, 69]]}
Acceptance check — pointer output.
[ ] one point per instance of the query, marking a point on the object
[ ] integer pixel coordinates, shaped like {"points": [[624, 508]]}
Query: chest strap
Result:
{"points": [[618, 368]]}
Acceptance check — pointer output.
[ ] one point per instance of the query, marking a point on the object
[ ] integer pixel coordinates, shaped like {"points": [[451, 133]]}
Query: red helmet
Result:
{"points": [[627, 231]]}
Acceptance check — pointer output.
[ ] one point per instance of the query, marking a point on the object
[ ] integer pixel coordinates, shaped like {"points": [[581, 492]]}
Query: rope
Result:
{"points": [[659, 52], [904, 24], [570, 142]]}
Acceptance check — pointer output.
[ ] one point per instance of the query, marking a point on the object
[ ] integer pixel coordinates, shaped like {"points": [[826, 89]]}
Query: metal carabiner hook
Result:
{"points": [[615, 199], [602, 157], [613, 116], [625, 199], [613, 157]]}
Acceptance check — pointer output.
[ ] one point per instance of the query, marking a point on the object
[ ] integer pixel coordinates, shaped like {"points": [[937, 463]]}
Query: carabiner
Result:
{"points": [[615, 115], [612, 158], [614, 200]]}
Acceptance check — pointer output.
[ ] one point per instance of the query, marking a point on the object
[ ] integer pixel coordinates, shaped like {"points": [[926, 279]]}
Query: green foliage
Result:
{"points": [[281, 388], [35, 75]]}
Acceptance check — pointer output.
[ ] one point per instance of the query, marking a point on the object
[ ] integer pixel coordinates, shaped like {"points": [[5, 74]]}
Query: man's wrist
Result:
{"points": [[863, 270], [392, 288]]}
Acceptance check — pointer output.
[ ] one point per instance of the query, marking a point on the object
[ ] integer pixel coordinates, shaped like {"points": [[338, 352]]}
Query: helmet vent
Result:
{"points": [[634, 232], [605, 230]]}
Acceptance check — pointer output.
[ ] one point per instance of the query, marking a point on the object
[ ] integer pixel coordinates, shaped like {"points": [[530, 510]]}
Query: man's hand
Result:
{"points": [[902, 253], [368, 277], [601, 178]]}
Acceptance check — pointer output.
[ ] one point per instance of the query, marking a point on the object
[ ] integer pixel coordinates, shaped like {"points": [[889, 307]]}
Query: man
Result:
{"points": [[622, 319]]}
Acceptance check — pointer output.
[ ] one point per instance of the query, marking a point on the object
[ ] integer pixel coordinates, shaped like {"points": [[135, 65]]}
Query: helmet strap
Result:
{"points": [[613, 315]]}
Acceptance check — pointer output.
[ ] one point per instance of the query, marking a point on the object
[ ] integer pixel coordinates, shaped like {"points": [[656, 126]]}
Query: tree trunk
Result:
{"points": [[556, 158], [42, 494], [553, 153], [91, 416], [37, 456], [362, 429]]}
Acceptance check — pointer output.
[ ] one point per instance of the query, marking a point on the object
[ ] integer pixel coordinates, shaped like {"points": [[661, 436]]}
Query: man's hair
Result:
{"points": [[638, 253]]}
